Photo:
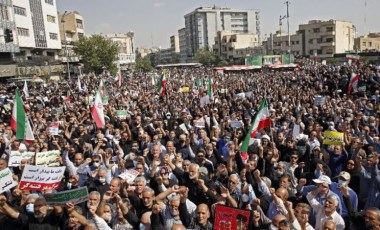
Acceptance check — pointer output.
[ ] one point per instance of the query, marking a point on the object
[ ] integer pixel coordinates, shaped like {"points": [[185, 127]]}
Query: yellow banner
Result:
{"points": [[333, 138], [185, 89]]}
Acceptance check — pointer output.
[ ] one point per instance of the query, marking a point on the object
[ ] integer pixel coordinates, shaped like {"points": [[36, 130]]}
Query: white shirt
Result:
{"points": [[321, 217]]}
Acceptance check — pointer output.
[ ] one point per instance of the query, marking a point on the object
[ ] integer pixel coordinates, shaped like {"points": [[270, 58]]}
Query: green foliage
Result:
{"points": [[222, 63], [364, 60], [205, 57], [97, 52], [143, 64]]}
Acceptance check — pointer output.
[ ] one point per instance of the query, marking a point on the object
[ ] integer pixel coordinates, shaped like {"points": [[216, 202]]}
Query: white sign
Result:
{"points": [[236, 124], [16, 157], [39, 178], [200, 123], [49, 158], [53, 128], [183, 127], [6, 180], [129, 175], [204, 101]]}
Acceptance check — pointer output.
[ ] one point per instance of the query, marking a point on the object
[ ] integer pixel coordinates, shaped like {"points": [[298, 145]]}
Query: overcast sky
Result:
{"points": [[154, 21]]}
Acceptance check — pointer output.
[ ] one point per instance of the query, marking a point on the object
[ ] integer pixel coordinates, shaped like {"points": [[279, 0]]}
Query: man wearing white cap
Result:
{"points": [[343, 181], [325, 211], [324, 191]]}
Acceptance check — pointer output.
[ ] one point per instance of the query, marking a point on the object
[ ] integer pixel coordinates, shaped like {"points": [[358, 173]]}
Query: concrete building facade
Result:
{"points": [[37, 27], [126, 55], [203, 23], [229, 45], [370, 42]]}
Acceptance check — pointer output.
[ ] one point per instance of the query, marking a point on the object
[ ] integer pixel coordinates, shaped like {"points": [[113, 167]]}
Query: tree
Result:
{"points": [[143, 64], [205, 57], [97, 53]]}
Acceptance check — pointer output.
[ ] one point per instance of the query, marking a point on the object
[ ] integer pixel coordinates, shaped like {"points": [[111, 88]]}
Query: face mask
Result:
{"points": [[245, 198], [102, 180], [29, 208], [69, 185], [342, 183], [96, 164]]}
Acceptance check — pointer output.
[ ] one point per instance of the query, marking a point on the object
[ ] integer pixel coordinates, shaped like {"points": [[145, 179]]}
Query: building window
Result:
{"points": [[319, 40], [50, 2], [19, 10], [4, 12], [79, 23], [50, 18], [329, 39], [364, 44], [310, 41], [370, 44], [329, 29], [316, 30], [80, 35], [53, 36], [23, 32]]}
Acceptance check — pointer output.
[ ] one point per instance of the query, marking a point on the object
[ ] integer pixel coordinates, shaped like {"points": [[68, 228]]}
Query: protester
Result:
{"points": [[139, 158]]}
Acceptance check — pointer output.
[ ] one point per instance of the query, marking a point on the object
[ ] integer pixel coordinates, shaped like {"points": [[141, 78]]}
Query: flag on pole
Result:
{"points": [[97, 111], [118, 78], [353, 83], [19, 121], [79, 85], [153, 79], [102, 88], [261, 121], [161, 87], [210, 92], [25, 90]]}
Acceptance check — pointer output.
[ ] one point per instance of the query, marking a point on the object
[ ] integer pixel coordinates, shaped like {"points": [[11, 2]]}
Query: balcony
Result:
{"points": [[327, 33], [324, 44]]}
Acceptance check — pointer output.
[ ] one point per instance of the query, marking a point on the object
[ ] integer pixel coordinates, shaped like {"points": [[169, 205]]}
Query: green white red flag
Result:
{"points": [[210, 87], [261, 121], [161, 87], [19, 121], [118, 78], [353, 83], [97, 111]]}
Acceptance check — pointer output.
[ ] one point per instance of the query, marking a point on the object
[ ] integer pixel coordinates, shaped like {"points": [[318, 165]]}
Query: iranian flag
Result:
{"points": [[79, 84], [161, 87], [261, 121], [19, 121], [102, 88], [353, 83], [153, 79], [118, 78], [97, 111], [25, 90], [210, 87]]}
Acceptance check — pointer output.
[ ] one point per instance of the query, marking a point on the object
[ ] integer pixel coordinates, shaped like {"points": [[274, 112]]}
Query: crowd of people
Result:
{"points": [[186, 151]]}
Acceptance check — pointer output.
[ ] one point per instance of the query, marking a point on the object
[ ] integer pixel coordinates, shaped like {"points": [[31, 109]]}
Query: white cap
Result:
{"points": [[323, 179], [265, 137]]}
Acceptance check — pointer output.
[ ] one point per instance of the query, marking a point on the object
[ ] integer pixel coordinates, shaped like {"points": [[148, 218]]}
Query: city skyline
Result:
{"points": [[167, 16]]}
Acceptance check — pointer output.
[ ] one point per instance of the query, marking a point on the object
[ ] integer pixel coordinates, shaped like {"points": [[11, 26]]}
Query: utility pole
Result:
{"points": [[280, 23], [287, 21], [66, 52]]}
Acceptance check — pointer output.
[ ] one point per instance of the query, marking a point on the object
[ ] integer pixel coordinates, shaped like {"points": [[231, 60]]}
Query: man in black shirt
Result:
{"points": [[40, 219]]}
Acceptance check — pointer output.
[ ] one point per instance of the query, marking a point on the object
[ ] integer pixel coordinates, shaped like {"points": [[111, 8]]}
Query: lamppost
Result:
{"points": [[280, 23], [66, 52], [287, 21]]}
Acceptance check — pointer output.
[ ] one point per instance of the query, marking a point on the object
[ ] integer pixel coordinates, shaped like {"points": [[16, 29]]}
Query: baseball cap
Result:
{"points": [[203, 170], [345, 175], [322, 179]]}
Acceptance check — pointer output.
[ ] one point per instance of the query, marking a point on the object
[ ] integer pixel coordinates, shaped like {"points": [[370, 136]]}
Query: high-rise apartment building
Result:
{"points": [[203, 24], [37, 28], [126, 53]]}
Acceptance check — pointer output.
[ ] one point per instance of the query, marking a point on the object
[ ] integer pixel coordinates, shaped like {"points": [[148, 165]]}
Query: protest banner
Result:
{"points": [[53, 128], [333, 138], [122, 114], [6, 180], [319, 100], [200, 123], [16, 157], [236, 124], [231, 218], [74, 196], [129, 175], [204, 101], [183, 128], [49, 158], [39, 178]]}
